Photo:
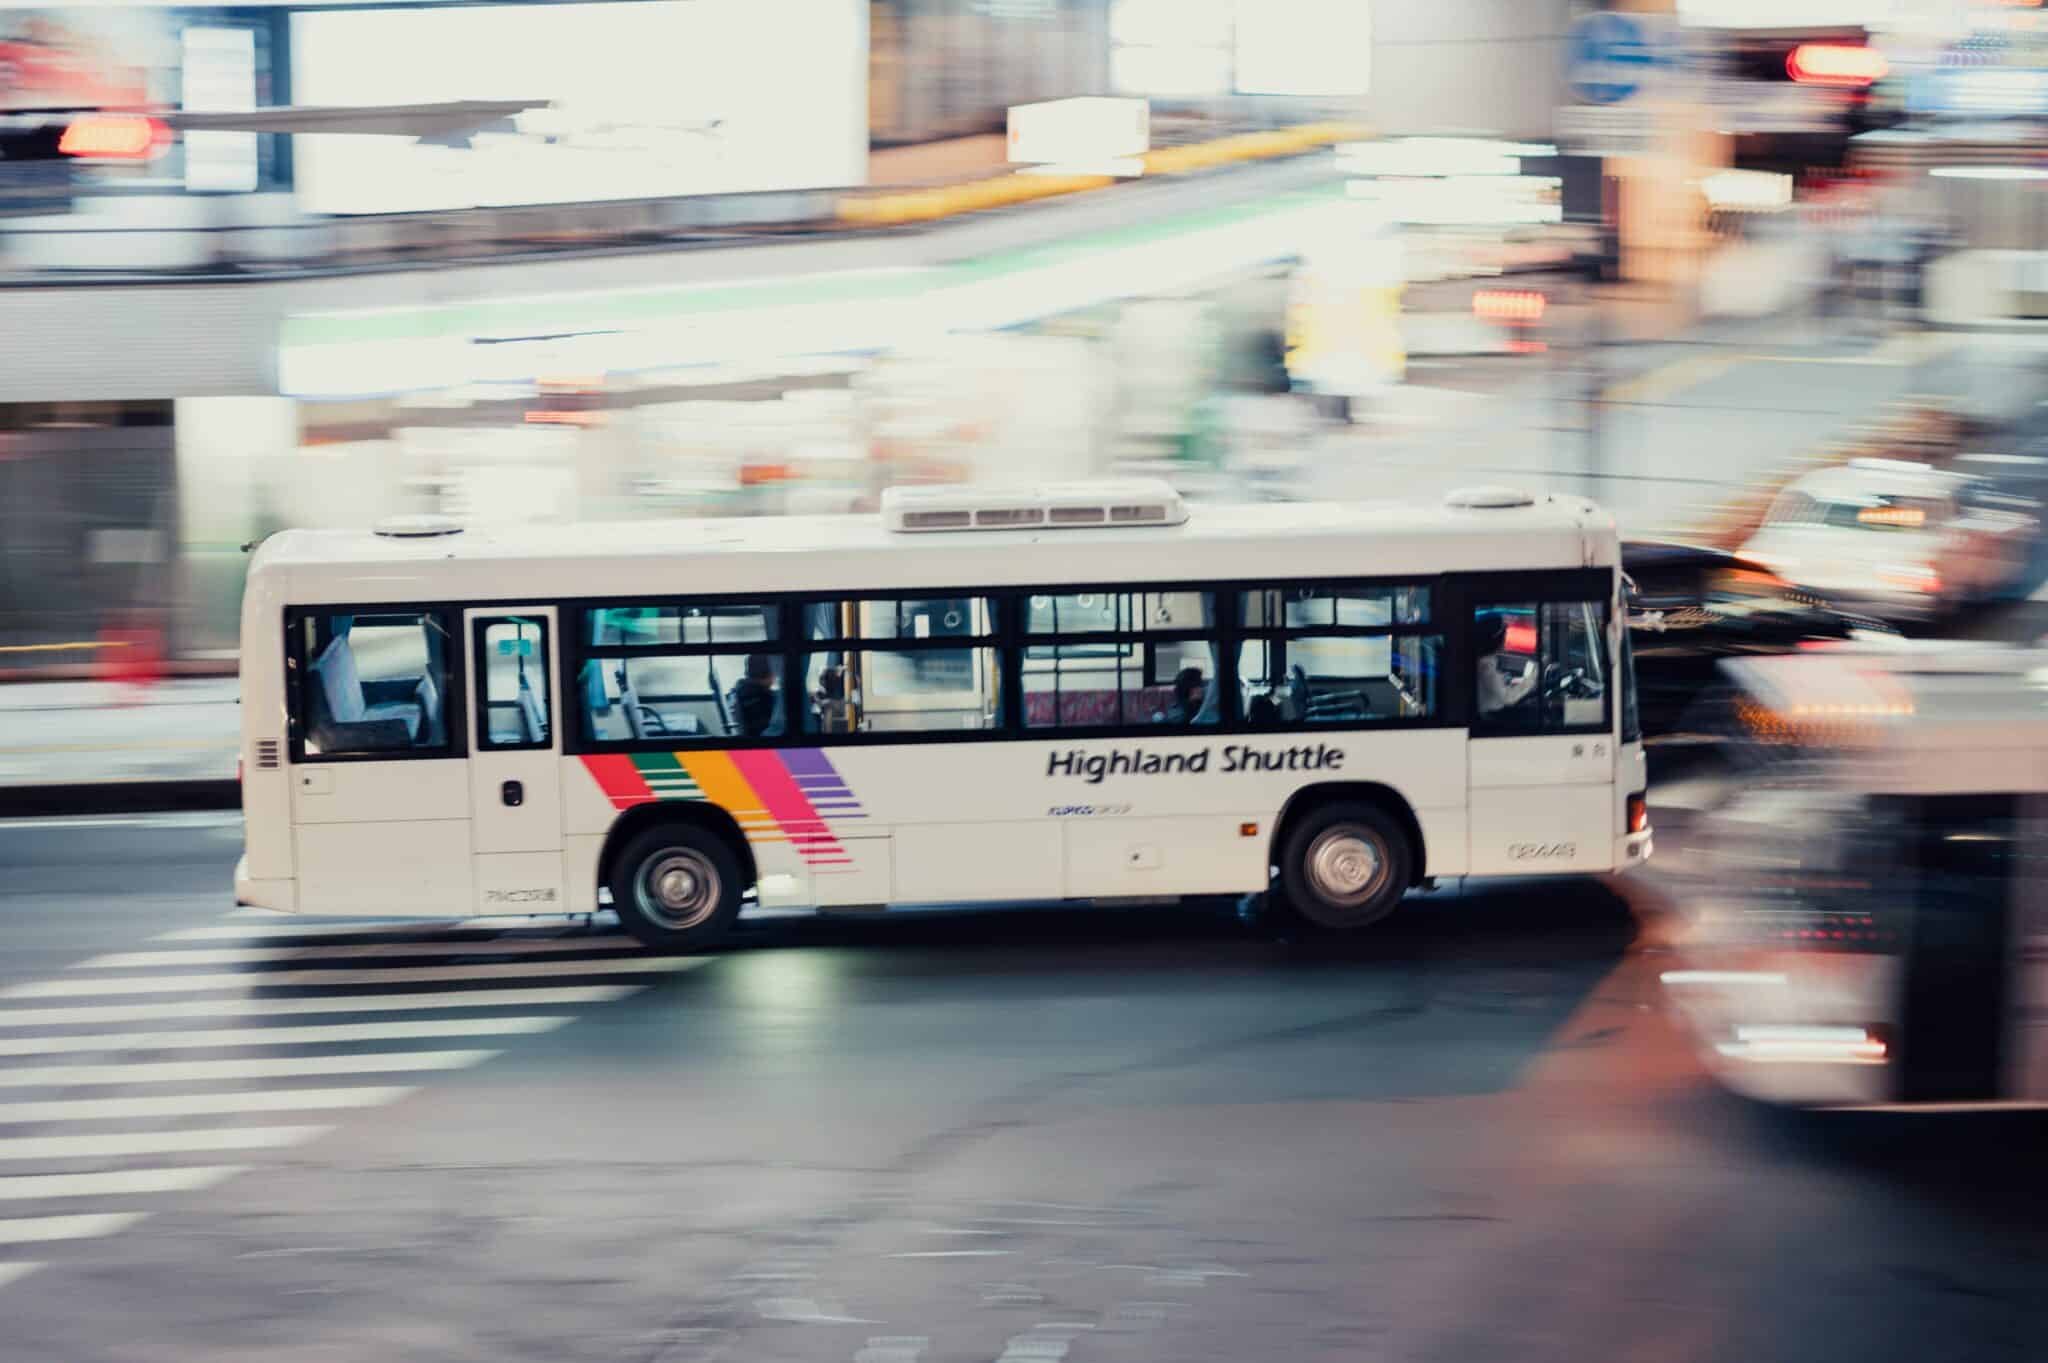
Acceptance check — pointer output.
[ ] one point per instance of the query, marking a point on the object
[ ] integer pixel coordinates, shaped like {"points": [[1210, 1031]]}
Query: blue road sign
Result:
{"points": [[1608, 56]]}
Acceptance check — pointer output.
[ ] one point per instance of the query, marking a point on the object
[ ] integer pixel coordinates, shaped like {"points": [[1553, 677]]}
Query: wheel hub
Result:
{"points": [[679, 889], [1345, 867]]}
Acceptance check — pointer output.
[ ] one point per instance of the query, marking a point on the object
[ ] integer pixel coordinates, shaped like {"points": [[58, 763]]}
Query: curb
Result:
{"points": [[119, 797]]}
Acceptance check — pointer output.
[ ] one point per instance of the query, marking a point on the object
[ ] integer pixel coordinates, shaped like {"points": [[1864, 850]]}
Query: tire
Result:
{"points": [[676, 887], [1344, 866]]}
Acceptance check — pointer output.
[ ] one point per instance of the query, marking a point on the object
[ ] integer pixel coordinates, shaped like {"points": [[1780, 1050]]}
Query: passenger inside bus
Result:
{"points": [[755, 703], [1193, 699]]}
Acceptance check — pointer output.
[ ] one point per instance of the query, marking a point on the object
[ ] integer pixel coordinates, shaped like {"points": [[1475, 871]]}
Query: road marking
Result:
{"points": [[29, 1230], [183, 984], [280, 1036], [14, 1273], [157, 1142], [199, 1071], [1665, 380], [502, 946], [201, 1104], [340, 1003], [193, 1178], [282, 925]]}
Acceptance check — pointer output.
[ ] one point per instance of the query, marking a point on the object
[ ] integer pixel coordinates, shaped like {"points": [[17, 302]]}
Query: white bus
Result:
{"points": [[976, 696]]}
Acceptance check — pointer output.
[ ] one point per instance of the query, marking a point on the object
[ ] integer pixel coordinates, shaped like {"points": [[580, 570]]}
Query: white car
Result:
{"points": [[1905, 541]]}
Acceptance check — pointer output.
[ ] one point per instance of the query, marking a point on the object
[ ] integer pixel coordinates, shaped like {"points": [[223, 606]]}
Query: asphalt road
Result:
{"points": [[1128, 1135]]}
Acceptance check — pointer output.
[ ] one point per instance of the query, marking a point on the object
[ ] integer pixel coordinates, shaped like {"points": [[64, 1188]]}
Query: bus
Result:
{"points": [[1081, 692], [1870, 930]]}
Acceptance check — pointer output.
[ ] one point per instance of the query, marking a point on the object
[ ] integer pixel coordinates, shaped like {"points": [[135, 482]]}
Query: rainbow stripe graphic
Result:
{"points": [[790, 795]]}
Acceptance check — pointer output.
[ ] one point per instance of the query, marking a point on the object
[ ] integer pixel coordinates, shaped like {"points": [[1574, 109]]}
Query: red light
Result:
{"points": [[1511, 307], [1837, 64], [1521, 637], [1638, 813], [113, 137]]}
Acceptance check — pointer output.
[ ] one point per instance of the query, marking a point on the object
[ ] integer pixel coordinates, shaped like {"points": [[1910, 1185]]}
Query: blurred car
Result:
{"points": [[1689, 608], [1867, 929], [1908, 542]]}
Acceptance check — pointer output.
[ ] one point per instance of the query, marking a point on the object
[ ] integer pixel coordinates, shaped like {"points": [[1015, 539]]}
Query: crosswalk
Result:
{"points": [[136, 1076]]}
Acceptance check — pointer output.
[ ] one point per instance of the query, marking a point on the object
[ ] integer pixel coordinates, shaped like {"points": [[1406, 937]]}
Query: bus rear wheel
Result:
{"points": [[676, 887], [1344, 866]]}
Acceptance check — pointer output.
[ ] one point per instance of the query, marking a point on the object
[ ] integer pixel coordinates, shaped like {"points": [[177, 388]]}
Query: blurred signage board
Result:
{"points": [[1981, 92], [1303, 49], [1795, 14], [657, 99], [1610, 56], [1308, 49], [220, 77], [1086, 129]]}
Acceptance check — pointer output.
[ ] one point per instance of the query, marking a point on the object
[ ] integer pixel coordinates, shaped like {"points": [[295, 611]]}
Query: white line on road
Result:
{"points": [[279, 1036], [339, 1003], [29, 1230], [73, 987], [202, 1104], [186, 1179], [158, 1142], [496, 946], [952, 1254], [201, 1071], [15, 1272]]}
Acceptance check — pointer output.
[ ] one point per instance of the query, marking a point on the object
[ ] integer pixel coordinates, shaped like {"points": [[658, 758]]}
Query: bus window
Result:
{"points": [[636, 626], [1541, 669], [1120, 659], [371, 683], [1120, 682], [882, 690], [1331, 607], [1118, 612], [919, 682], [690, 697], [1337, 655], [513, 656]]}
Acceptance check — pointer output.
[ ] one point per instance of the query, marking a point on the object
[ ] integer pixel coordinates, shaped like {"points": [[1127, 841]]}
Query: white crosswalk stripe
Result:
{"points": [[100, 1145], [279, 1036], [199, 1104], [28, 1230], [512, 946], [207, 1071], [329, 1003], [87, 987], [174, 1179], [125, 1056]]}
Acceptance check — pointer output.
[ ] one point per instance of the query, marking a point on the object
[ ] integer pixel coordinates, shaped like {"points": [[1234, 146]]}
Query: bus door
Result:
{"points": [[380, 788], [1542, 754], [515, 766]]}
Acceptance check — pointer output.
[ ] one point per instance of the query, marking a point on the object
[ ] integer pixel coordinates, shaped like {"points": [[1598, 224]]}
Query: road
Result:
{"points": [[1091, 1135]]}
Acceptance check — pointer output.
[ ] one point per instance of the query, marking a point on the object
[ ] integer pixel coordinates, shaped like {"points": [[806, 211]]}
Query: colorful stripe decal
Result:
{"points": [[791, 795]]}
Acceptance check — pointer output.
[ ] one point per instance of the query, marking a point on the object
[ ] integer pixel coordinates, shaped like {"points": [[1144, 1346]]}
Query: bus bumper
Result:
{"points": [[1633, 849], [282, 895]]}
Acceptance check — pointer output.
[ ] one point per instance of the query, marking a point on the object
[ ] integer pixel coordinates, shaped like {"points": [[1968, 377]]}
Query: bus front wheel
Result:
{"points": [[676, 887], [1344, 866]]}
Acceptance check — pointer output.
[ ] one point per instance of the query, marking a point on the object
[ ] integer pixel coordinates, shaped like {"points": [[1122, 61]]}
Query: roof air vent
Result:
{"points": [[417, 527], [1117, 502], [1488, 499]]}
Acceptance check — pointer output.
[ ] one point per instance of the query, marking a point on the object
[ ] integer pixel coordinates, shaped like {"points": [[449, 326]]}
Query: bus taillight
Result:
{"points": [[1638, 812]]}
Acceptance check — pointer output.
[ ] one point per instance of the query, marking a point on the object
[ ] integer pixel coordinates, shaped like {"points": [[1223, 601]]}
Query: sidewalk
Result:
{"points": [[78, 733]]}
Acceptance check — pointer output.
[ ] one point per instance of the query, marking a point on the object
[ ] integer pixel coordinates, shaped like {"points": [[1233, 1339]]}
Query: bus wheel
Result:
{"points": [[676, 887], [1344, 866]]}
